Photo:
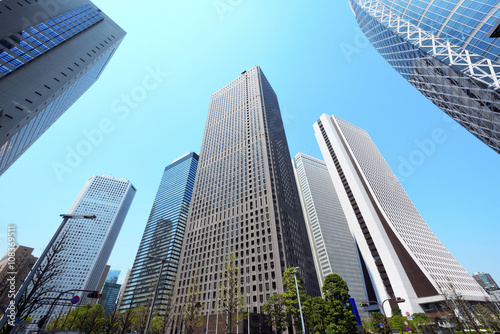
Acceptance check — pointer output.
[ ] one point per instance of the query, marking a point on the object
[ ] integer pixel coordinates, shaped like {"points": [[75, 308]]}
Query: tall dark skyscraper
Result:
{"points": [[162, 237], [245, 200], [51, 52], [445, 50]]}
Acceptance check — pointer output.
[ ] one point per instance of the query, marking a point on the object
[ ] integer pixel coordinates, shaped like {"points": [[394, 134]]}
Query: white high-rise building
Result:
{"points": [[404, 257], [332, 243], [89, 243]]}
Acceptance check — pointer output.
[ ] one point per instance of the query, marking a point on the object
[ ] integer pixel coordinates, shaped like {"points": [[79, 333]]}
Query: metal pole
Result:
{"points": [[298, 297], [28, 280], [154, 298], [248, 320]]}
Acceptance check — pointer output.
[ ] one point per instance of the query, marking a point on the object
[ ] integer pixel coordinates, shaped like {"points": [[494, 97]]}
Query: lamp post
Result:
{"points": [[298, 297], [38, 263], [397, 300], [155, 292]]}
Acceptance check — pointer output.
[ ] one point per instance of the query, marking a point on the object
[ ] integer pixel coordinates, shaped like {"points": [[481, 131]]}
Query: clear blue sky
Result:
{"points": [[317, 61]]}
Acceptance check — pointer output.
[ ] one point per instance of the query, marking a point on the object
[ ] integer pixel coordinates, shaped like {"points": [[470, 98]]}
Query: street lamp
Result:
{"points": [[298, 296], [155, 292], [38, 263]]}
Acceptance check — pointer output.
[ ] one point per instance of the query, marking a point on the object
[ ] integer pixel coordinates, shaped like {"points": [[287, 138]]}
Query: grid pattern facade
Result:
{"points": [[388, 224], [333, 245], [50, 54], [485, 281], [442, 48], [110, 292], [89, 242], [162, 237], [245, 200]]}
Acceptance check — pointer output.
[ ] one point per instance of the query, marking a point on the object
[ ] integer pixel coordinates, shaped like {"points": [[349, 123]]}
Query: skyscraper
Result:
{"points": [[245, 200], [444, 49], [485, 281], [90, 242], [404, 257], [332, 243], [162, 238], [51, 52]]}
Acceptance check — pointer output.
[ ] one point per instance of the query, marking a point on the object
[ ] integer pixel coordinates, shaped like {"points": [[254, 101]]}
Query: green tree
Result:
{"points": [[291, 300], [339, 316], [231, 298], [88, 319], [318, 318], [375, 321], [274, 308], [139, 319]]}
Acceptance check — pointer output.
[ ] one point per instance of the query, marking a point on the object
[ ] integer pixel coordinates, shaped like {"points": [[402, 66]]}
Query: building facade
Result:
{"points": [[88, 243], [245, 201], [18, 261], [403, 256], [162, 238], [333, 246], [51, 52], [485, 281], [109, 296], [443, 48]]}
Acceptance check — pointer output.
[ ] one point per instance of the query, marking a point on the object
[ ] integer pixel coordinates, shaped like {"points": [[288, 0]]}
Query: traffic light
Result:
{"points": [[94, 294], [364, 304]]}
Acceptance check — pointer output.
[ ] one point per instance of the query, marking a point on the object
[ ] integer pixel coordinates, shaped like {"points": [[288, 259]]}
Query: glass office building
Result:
{"points": [[444, 49], [162, 238], [51, 52]]}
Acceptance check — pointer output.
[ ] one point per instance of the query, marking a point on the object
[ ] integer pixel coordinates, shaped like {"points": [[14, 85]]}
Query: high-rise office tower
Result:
{"points": [[332, 243], [444, 49], [404, 257], [90, 242], [51, 52], [245, 200], [162, 238], [122, 290], [485, 281]]}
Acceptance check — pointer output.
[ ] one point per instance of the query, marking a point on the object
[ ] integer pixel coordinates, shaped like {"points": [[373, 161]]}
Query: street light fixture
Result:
{"points": [[38, 263], [298, 297], [155, 292]]}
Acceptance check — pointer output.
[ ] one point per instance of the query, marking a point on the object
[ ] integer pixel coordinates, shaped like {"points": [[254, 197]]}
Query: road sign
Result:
{"points": [[406, 323], [409, 318], [21, 329], [75, 300], [408, 329], [407, 314]]}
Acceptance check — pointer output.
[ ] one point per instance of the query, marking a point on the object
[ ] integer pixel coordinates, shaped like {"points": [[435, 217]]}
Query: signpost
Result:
{"points": [[75, 300]]}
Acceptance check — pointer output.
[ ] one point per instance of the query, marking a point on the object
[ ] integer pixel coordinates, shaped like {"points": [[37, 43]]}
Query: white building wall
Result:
{"points": [[379, 194], [89, 242]]}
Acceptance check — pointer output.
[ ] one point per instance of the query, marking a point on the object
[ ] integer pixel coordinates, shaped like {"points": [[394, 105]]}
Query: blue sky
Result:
{"points": [[176, 54]]}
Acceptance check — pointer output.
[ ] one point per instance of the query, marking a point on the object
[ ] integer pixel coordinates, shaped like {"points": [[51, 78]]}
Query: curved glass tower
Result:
{"points": [[443, 48]]}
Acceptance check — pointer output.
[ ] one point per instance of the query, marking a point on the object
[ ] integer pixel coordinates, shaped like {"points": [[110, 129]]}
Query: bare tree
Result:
{"points": [[191, 311], [168, 317], [231, 299], [42, 284], [454, 303]]}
